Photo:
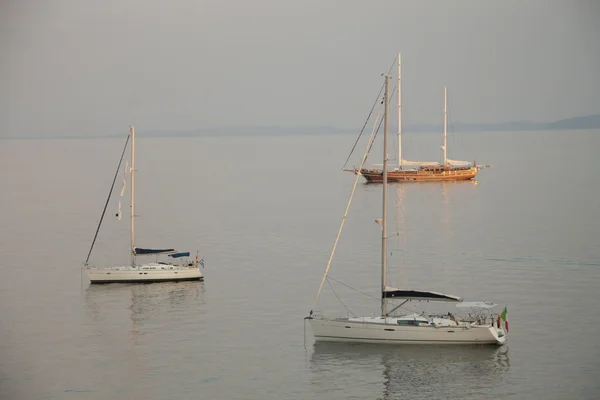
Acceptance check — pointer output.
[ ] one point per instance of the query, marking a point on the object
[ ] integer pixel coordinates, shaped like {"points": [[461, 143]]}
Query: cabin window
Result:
{"points": [[409, 322]]}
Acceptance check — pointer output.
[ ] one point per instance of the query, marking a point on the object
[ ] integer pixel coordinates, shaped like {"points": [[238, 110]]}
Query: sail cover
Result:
{"points": [[178, 255], [141, 252], [419, 163], [457, 162], [391, 292]]}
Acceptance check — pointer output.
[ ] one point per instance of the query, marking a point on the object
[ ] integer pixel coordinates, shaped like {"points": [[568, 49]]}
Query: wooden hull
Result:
{"points": [[376, 176]]}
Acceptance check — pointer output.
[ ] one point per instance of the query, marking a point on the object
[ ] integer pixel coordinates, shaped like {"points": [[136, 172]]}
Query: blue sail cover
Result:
{"points": [[178, 255], [141, 252], [391, 292]]}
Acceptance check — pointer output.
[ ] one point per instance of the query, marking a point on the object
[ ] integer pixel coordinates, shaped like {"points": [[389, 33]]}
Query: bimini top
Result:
{"points": [[142, 252], [391, 292], [476, 304], [178, 255]]}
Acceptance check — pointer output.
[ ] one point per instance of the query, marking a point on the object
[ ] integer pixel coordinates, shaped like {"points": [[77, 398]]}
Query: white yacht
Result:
{"points": [[179, 267], [394, 325]]}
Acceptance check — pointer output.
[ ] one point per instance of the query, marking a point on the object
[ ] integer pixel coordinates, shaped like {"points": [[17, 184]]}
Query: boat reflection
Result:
{"points": [[144, 300], [410, 371], [127, 320], [458, 190]]}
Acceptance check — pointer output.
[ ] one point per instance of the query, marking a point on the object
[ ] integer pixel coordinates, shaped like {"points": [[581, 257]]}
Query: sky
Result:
{"points": [[79, 67]]}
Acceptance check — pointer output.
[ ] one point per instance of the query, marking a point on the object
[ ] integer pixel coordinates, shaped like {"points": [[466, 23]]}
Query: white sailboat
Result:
{"points": [[393, 326], [181, 268]]}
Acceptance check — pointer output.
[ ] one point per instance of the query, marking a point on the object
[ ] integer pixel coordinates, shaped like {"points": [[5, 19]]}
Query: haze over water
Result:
{"points": [[263, 211]]}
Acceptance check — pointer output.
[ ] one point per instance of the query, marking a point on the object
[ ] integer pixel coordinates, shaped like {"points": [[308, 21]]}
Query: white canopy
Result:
{"points": [[476, 304]]}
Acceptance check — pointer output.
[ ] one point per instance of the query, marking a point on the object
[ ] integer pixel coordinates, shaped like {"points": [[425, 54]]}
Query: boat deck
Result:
{"points": [[159, 266]]}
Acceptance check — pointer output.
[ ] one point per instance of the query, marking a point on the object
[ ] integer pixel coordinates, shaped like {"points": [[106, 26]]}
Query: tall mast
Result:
{"points": [[132, 132], [399, 111], [445, 126], [384, 211]]}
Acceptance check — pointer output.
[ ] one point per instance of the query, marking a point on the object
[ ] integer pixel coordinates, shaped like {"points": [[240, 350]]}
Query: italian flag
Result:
{"points": [[503, 316]]}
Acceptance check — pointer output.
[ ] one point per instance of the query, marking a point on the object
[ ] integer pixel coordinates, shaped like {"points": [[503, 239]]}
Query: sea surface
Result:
{"points": [[263, 213]]}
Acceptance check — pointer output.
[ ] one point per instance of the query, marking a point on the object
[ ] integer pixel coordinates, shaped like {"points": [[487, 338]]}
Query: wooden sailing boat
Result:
{"points": [[420, 171], [159, 271], [393, 327]]}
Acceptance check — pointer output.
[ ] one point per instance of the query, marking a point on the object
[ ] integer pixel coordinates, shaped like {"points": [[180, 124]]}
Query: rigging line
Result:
{"points": [[408, 310], [399, 306], [376, 132], [107, 200], [350, 287], [363, 128], [452, 128], [337, 239], [380, 122], [367, 120], [340, 300]]}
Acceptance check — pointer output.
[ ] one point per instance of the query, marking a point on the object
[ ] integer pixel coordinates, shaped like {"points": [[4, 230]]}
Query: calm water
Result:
{"points": [[263, 212]]}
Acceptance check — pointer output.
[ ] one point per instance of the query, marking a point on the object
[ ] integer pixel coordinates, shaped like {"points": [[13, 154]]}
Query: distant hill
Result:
{"points": [[585, 122], [575, 123]]}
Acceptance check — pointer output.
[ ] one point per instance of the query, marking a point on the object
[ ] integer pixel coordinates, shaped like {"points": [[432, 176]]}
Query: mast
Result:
{"points": [[445, 126], [384, 211], [399, 111], [132, 133]]}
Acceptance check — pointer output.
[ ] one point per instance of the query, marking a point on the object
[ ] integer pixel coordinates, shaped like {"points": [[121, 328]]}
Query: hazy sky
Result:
{"points": [[95, 67]]}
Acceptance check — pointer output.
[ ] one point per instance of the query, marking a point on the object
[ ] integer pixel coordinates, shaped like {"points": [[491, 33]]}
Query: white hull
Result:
{"points": [[144, 274], [345, 330]]}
